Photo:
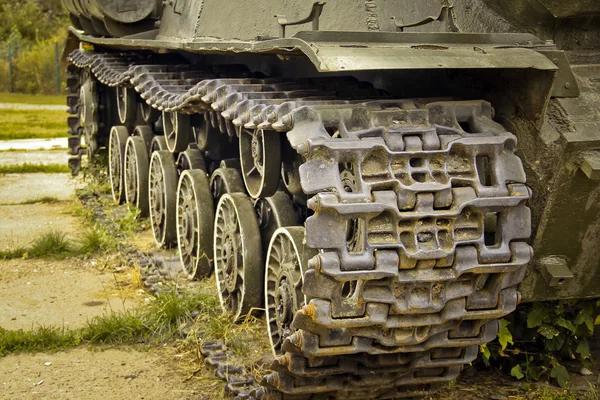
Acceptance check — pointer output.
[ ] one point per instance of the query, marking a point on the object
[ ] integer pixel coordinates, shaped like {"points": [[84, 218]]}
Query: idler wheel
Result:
{"points": [[195, 217], [116, 162], [260, 156], [239, 267], [287, 260], [163, 198], [136, 174]]}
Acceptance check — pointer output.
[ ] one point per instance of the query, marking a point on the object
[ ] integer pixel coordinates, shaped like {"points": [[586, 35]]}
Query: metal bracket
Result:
{"points": [[555, 270], [446, 15], [313, 17], [591, 165], [565, 84]]}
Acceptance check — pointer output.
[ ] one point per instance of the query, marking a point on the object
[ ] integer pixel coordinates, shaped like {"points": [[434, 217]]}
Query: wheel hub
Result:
{"points": [[257, 150]]}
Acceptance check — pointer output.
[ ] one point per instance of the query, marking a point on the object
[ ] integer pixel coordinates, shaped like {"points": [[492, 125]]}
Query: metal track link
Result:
{"points": [[420, 217], [73, 120]]}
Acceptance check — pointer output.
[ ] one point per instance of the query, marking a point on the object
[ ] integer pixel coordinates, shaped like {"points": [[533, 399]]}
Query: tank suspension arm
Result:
{"points": [[313, 17], [446, 14]]}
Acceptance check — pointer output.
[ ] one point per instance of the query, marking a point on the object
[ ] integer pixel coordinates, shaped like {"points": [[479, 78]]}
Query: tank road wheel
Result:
{"points": [[177, 129], [273, 213], [158, 143], [226, 180], [116, 162], [239, 266], [207, 136], [147, 133], [192, 158], [163, 198], [149, 114], [290, 173], [287, 259], [195, 218], [260, 156], [126, 105], [136, 174], [89, 115]]}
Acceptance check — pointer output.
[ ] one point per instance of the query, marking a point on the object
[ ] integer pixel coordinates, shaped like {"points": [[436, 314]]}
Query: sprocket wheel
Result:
{"points": [[136, 174], [239, 265], [116, 162], [195, 218], [163, 198], [287, 260], [260, 156]]}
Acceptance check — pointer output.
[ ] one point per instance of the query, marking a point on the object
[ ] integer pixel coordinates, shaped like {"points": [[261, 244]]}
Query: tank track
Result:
{"points": [[437, 209], [74, 120]]}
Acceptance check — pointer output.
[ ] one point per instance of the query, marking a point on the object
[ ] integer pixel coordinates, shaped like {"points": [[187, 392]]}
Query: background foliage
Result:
{"points": [[547, 340], [31, 28]]}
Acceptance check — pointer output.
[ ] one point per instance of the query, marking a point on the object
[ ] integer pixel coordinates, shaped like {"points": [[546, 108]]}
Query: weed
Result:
{"points": [[50, 244], [157, 322], [114, 328], [547, 393], [12, 253], [95, 239], [53, 243], [39, 339], [28, 168]]}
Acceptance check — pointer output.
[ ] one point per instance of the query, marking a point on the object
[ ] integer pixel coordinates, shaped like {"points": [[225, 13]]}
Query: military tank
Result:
{"points": [[375, 174]]}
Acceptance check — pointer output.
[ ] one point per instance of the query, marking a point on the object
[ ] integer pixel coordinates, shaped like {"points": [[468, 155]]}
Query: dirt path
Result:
{"points": [[33, 144], [62, 293], [105, 374], [34, 157]]}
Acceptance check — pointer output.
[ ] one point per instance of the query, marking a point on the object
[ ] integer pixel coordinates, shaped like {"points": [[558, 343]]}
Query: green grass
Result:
{"points": [[28, 168], [32, 99], [32, 124], [51, 244], [155, 323]]}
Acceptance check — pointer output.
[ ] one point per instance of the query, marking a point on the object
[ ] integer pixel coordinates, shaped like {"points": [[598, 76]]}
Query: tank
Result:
{"points": [[385, 178]]}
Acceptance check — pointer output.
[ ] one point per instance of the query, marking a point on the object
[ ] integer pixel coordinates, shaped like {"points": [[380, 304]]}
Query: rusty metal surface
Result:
{"points": [[331, 52], [420, 217]]}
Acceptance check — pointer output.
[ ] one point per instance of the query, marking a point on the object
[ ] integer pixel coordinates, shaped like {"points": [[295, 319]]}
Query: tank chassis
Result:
{"points": [[359, 182]]}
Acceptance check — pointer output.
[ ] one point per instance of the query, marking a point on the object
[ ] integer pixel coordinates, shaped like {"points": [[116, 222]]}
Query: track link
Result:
{"points": [[418, 209]]}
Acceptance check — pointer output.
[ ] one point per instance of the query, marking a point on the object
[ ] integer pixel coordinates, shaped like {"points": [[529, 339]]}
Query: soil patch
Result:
{"points": [[20, 225], [100, 374], [19, 188], [61, 293], [34, 157]]}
